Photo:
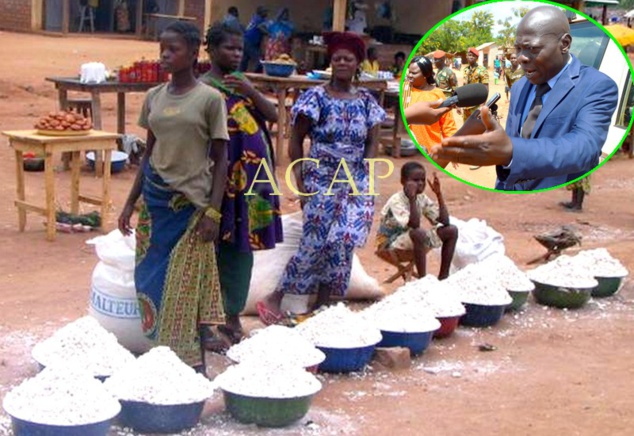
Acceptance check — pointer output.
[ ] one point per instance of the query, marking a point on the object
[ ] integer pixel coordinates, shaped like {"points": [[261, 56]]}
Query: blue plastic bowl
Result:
{"points": [[278, 69], [345, 359], [479, 315], [416, 342], [27, 428], [156, 418], [117, 161]]}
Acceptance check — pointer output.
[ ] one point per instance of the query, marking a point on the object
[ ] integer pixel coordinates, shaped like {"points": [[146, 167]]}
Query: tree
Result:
{"points": [[448, 37], [506, 36], [456, 35]]}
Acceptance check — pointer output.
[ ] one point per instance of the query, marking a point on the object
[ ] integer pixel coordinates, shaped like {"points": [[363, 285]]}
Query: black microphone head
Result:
{"points": [[473, 94]]}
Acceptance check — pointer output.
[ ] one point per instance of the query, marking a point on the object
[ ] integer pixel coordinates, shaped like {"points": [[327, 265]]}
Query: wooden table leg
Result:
{"points": [[63, 98], [19, 172], [281, 123], [121, 112], [105, 194], [74, 182], [96, 123], [49, 181], [396, 141]]}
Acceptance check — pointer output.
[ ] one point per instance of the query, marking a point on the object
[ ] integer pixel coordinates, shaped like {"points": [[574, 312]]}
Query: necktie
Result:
{"points": [[535, 109]]}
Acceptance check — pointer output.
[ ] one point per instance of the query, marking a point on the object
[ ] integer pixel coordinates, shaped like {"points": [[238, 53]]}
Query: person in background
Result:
{"points": [[401, 231], [497, 66], [445, 78], [232, 18], [421, 86], [253, 35], [182, 180], [512, 74], [371, 64], [473, 73], [280, 31], [250, 211], [326, 18], [399, 64], [342, 122], [579, 190]]}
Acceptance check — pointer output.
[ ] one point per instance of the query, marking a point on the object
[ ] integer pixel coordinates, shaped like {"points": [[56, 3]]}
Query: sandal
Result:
{"points": [[234, 336], [268, 317], [212, 342]]}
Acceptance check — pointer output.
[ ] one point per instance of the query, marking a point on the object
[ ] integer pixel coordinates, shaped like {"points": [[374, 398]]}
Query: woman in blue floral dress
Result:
{"points": [[342, 122]]}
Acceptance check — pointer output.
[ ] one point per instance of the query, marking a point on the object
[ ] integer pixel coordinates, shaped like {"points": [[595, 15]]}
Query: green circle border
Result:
{"points": [[559, 5]]}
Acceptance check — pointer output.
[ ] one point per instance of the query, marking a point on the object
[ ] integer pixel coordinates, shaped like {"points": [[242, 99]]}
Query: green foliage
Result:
{"points": [[455, 35], [506, 36]]}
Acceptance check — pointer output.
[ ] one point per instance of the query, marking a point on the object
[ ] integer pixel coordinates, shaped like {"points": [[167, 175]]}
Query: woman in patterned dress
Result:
{"points": [[342, 122], [181, 179], [250, 211], [279, 39]]}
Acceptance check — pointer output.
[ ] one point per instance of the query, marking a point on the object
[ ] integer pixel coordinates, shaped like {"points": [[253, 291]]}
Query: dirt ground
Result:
{"points": [[553, 371]]}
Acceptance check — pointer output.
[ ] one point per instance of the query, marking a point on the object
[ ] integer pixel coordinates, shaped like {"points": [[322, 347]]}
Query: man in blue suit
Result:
{"points": [[559, 114]]}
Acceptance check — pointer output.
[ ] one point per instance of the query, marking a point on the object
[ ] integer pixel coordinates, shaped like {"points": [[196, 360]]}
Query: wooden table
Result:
{"points": [[29, 141], [281, 86], [65, 84]]}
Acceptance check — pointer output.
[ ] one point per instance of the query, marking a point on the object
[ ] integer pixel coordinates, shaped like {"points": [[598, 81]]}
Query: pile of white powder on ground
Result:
{"points": [[476, 285], [86, 344], [159, 377], [404, 311], [277, 343], [508, 274], [564, 272], [600, 263], [339, 327], [61, 395], [441, 298], [268, 381]]}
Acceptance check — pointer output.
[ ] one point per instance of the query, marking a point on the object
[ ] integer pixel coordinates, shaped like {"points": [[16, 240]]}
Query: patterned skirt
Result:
{"points": [[176, 275]]}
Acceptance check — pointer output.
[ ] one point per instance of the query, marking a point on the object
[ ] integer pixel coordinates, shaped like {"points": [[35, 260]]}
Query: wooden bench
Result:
{"points": [[151, 21]]}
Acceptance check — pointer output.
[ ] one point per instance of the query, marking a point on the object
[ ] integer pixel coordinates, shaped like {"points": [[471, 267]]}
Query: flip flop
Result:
{"points": [[212, 342], [234, 336], [267, 316]]}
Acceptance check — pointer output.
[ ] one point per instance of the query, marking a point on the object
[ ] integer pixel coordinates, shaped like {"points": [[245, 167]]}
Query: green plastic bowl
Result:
{"points": [[608, 286], [519, 299], [266, 412], [561, 297]]}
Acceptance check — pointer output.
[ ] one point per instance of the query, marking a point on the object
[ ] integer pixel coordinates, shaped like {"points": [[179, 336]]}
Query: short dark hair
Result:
{"points": [[221, 31], [189, 32], [426, 68], [371, 50], [399, 54], [409, 168], [232, 10]]}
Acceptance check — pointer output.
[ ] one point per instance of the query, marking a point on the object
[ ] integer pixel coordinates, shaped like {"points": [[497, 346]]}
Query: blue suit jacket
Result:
{"points": [[568, 134]]}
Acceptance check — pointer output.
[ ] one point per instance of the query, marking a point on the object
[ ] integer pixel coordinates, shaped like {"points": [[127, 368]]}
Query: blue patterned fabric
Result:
{"points": [[333, 224]]}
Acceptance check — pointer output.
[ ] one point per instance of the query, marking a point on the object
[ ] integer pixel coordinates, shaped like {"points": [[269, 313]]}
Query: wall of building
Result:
{"points": [[16, 15]]}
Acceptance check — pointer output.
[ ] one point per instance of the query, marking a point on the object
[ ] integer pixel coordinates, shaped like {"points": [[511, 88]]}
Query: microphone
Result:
{"points": [[473, 94]]}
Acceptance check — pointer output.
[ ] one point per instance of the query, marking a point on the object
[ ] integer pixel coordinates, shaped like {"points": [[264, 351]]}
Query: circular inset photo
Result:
{"points": [[519, 96]]}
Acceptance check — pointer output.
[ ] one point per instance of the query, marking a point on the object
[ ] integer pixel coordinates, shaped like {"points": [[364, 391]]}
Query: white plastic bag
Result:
{"points": [[113, 300], [269, 265], [476, 242]]}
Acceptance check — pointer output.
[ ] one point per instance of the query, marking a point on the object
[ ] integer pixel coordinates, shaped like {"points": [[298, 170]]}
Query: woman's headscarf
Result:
{"points": [[347, 40]]}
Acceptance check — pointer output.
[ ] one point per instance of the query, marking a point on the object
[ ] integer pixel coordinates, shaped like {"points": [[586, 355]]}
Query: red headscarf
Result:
{"points": [[348, 40]]}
